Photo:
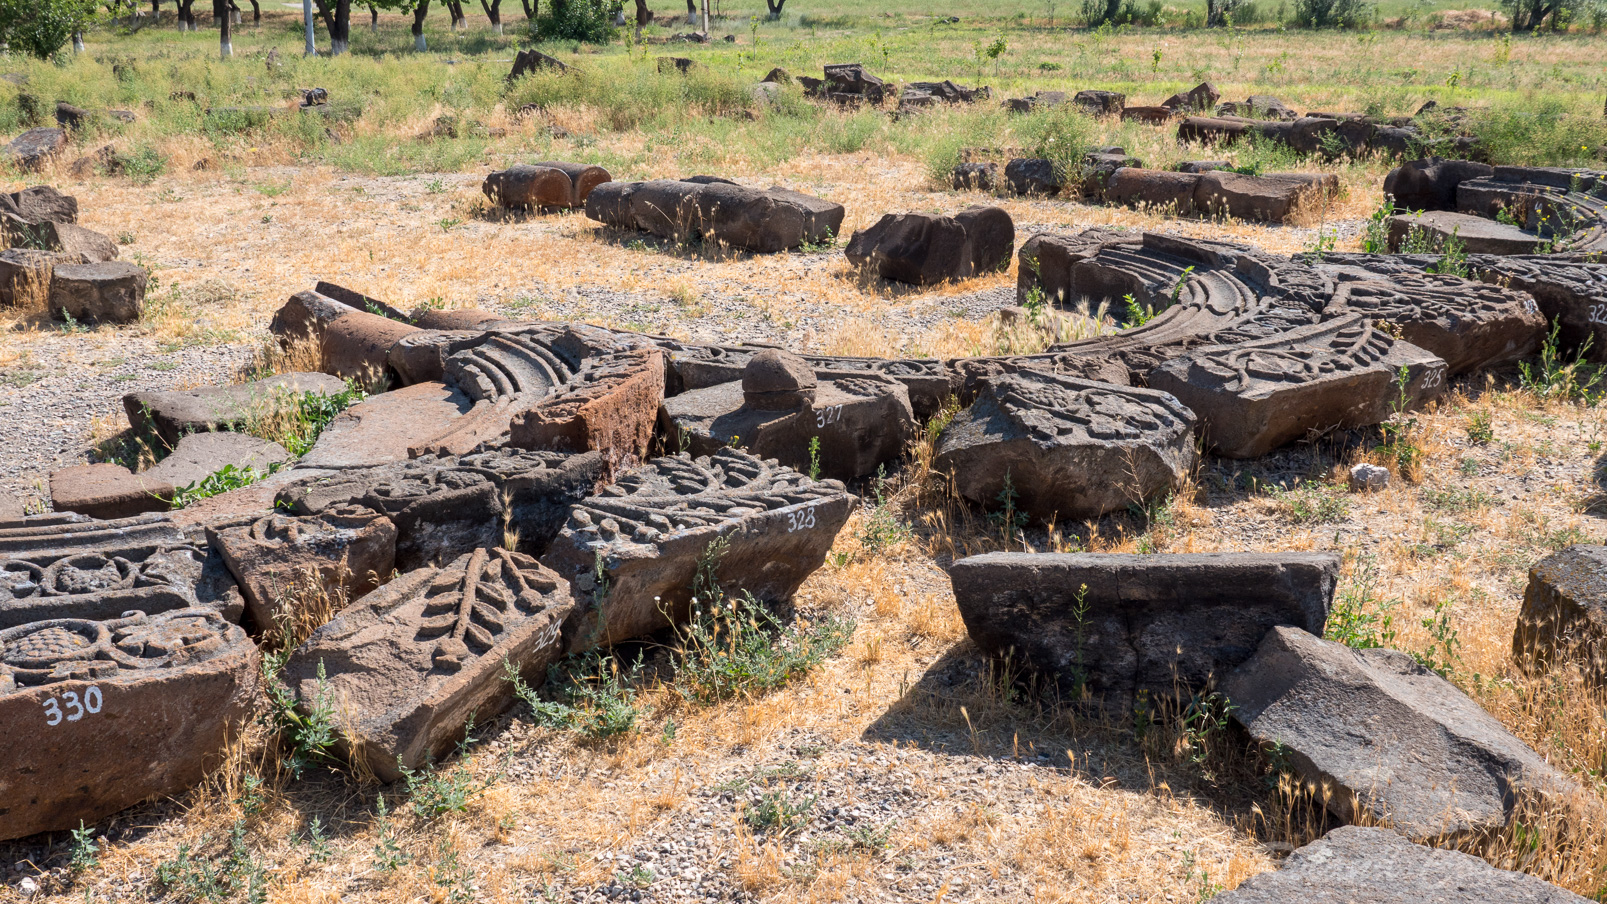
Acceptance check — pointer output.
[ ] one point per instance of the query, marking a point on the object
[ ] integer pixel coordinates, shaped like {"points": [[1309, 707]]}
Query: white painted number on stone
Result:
{"points": [[1598, 313], [829, 415], [1433, 378], [801, 520], [74, 707]]}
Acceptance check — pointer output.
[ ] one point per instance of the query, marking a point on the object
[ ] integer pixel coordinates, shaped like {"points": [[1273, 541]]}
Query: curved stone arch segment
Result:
{"points": [[632, 551]]}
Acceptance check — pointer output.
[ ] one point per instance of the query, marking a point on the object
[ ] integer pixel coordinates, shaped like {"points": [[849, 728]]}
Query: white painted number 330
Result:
{"points": [[70, 708]]}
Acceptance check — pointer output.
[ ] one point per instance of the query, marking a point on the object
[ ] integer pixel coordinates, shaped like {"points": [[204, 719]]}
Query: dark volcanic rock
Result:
{"points": [[1477, 235], [30, 150], [924, 249], [171, 415], [1145, 624], [106, 292], [1431, 183], [1564, 614], [1387, 737], [1352, 864], [1071, 449], [107, 491]]}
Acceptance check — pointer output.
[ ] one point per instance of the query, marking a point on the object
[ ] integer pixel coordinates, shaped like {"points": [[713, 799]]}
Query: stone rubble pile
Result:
{"points": [[49, 262]]}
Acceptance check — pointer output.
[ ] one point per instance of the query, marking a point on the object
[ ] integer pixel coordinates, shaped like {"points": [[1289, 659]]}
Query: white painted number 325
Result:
{"points": [[801, 520], [70, 708]]}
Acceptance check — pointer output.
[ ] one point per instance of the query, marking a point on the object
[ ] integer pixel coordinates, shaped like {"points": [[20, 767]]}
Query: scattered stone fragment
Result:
{"points": [[1101, 103], [173, 414], [383, 428], [528, 61], [718, 211], [1032, 176], [41, 202], [1271, 198], [1120, 628], [846, 427], [982, 176], [107, 491], [1150, 115], [409, 665], [202, 454], [105, 292], [1159, 189], [1201, 98], [1366, 478], [924, 249], [1066, 449], [1378, 866], [549, 184], [296, 572], [1564, 614], [1476, 235], [25, 275], [30, 150], [632, 551], [1256, 396], [357, 344], [1431, 183], [1386, 738], [101, 715]]}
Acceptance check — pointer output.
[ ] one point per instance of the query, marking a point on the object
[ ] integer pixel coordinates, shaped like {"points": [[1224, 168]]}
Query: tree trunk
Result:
{"points": [[220, 14], [459, 21], [643, 16], [419, 13], [78, 42], [373, 18], [493, 11], [256, 13], [775, 9], [530, 9], [705, 31], [338, 19]]}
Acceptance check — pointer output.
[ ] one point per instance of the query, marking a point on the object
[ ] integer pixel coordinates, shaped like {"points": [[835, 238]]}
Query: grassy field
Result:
{"points": [[957, 789]]}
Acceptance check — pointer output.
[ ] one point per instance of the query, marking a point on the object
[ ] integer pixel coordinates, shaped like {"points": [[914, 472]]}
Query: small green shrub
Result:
{"points": [[587, 21], [588, 693], [306, 739], [1311, 503], [436, 792], [222, 480], [1359, 618], [1552, 377]]}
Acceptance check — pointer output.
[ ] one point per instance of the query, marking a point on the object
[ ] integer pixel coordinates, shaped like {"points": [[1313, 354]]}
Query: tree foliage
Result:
{"points": [[41, 28], [591, 21], [1528, 15]]}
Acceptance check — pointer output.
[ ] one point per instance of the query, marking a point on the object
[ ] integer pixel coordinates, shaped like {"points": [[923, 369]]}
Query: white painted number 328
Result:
{"points": [[69, 707], [801, 520]]}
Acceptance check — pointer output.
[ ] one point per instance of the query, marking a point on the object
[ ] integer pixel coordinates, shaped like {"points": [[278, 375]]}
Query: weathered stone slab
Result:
{"points": [[923, 249], [1201, 97], [296, 570], [1352, 864], [356, 346], [41, 202], [717, 210], [1100, 103], [25, 275], [1070, 448], [105, 292], [1271, 198], [406, 667], [32, 149], [1564, 614], [1468, 324], [1430, 183], [608, 406], [383, 428], [1032, 176], [860, 422], [1476, 234], [107, 491], [199, 455], [172, 415], [1387, 737], [548, 184], [631, 551], [1256, 396], [1167, 191], [1149, 624], [101, 715]]}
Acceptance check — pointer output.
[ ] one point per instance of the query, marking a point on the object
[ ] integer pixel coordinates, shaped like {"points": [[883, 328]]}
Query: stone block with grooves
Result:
{"points": [[1117, 626], [101, 715], [631, 552], [405, 668]]}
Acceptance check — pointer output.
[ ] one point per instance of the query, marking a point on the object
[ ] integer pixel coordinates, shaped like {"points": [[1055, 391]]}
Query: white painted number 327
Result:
{"points": [[70, 707]]}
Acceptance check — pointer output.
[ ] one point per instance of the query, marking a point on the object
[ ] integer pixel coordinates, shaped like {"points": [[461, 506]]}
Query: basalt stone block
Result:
{"points": [[408, 666], [1150, 115], [1352, 864], [1431, 183], [25, 276], [172, 415], [107, 491], [1032, 176], [357, 345], [1477, 235], [1468, 324], [632, 551], [421, 357], [1201, 97], [1118, 626], [975, 176], [583, 177], [101, 569], [296, 570], [1389, 739], [303, 319], [1571, 291], [1564, 614], [358, 301], [537, 489], [746, 218], [1272, 198], [822, 219], [41, 202], [199, 455], [1100, 103], [528, 61], [923, 249], [610, 406], [1069, 448], [69, 239], [1255, 396], [440, 511], [31, 150], [1203, 166], [385, 427], [107, 292], [1212, 130], [101, 715], [1160, 189], [861, 423], [526, 186]]}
